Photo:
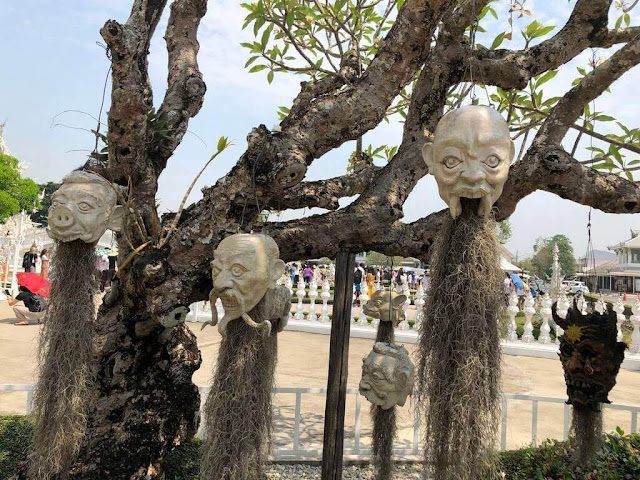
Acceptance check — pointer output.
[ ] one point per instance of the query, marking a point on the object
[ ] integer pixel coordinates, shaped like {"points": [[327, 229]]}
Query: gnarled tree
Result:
{"points": [[415, 57]]}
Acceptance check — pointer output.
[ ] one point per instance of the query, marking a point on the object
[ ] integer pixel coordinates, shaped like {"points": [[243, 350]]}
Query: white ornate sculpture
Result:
{"points": [[83, 208], [387, 375], [470, 157], [386, 306], [245, 269]]}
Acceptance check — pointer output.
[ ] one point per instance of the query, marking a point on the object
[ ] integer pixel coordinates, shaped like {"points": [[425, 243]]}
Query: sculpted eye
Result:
{"points": [[84, 207], [492, 161], [215, 270], [237, 270], [451, 161]]}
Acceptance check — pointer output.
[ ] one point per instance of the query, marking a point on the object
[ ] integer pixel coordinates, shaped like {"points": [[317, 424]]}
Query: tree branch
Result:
{"points": [[131, 102], [552, 169], [347, 114], [512, 69], [325, 193], [186, 88], [570, 107]]}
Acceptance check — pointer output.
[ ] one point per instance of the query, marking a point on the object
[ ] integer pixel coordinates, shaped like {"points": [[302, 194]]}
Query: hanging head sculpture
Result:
{"points": [[386, 306], [83, 208], [245, 268], [458, 374], [470, 157], [387, 375], [590, 355]]}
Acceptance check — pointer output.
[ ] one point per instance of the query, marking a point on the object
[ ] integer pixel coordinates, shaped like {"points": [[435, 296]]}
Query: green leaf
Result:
{"points": [[265, 36], [619, 22], [258, 25], [223, 142], [543, 31], [604, 118], [257, 68], [544, 78], [250, 61], [497, 41], [270, 76]]}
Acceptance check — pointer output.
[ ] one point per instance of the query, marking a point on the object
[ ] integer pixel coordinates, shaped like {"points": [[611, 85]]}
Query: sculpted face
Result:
{"points": [[84, 207], [385, 305], [244, 267], [387, 376], [590, 356], [470, 157]]}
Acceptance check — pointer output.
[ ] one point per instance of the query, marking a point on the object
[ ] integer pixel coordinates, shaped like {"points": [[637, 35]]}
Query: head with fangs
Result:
{"points": [[244, 268], [83, 208], [470, 157], [590, 355], [387, 375]]}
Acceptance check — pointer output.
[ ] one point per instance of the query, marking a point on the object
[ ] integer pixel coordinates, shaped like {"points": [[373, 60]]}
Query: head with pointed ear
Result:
{"points": [[385, 305], [83, 208], [470, 157], [244, 267], [387, 375]]}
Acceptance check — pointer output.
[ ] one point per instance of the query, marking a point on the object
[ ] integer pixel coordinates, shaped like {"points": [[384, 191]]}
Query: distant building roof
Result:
{"points": [[633, 242]]}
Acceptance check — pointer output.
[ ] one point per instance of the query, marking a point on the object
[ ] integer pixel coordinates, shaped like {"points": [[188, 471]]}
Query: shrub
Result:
{"points": [[619, 460], [15, 440]]}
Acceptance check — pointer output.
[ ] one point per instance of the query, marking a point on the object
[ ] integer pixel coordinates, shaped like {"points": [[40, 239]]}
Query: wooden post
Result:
{"points": [[333, 442]]}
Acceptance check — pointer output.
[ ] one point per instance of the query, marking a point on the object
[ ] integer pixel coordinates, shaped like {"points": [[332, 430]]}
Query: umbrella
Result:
{"points": [[35, 283], [517, 281]]}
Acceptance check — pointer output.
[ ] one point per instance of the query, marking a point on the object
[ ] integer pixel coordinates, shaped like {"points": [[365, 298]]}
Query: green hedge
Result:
{"points": [[15, 441], [620, 459]]}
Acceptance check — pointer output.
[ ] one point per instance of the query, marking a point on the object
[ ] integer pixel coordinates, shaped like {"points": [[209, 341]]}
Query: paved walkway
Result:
{"points": [[303, 360]]}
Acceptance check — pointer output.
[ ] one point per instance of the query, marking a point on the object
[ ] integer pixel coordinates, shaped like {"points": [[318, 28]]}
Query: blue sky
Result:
{"points": [[51, 63]]}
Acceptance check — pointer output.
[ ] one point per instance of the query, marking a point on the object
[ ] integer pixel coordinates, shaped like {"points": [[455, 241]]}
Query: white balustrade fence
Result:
{"points": [[306, 318], [292, 440]]}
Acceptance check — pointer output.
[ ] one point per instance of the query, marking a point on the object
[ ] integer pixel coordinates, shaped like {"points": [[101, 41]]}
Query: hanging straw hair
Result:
{"points": [[384, 421], [238, 411], [65, 355], [459, 350]]}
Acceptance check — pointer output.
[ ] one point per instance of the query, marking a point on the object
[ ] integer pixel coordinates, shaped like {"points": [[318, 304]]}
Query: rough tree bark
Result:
{"points": [[147, 401]]}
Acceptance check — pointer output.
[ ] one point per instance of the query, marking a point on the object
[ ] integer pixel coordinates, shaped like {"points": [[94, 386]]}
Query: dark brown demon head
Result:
{"points": [[590, 355]]}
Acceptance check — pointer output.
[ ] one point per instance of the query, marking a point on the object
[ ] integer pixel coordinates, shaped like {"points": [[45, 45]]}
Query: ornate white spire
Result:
{"points": [[3, 146]]}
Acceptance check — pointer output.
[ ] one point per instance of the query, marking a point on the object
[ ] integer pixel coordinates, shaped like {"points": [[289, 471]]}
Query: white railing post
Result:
{"points": [[313, 294], [364, 298], [600, 306], [512, 326], [404, 324], [545, 313], [325, 295], [635, 321], [563, 308], [419, 302], [619, 309], [300, 294], [289, 285], [528, 310]]}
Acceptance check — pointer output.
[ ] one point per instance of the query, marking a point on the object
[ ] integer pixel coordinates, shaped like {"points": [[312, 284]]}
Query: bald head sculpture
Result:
{"points": [[470, 157], [83, 208], [244, 268], [387, 375]]}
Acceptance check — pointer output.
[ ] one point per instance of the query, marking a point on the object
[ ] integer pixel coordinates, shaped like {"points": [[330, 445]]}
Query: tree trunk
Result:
{"points": [[147, 402]]}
